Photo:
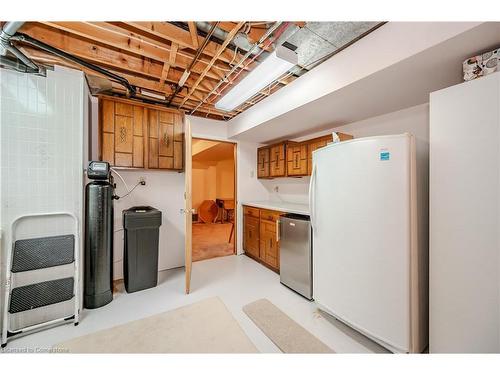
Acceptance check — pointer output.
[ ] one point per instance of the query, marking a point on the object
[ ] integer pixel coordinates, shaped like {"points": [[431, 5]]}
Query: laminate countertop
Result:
{"points": [[293, 208]]}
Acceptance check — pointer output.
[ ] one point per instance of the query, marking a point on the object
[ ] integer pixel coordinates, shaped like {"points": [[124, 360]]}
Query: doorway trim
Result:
{"points": [[235, 160]]}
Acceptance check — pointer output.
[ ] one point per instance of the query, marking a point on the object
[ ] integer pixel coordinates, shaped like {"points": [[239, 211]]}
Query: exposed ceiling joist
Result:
{"points": [[107, 34], [193, 30], [221, 49], [154, 55], [167, 31], [168, 64]]}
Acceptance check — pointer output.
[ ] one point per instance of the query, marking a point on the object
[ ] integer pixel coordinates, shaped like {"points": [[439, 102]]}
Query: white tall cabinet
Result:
{"points": [[464, 217]]}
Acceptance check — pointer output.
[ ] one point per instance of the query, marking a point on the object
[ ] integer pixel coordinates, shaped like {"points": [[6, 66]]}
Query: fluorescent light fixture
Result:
{"points": [[184, 78], [280, 61], [152, 94]]}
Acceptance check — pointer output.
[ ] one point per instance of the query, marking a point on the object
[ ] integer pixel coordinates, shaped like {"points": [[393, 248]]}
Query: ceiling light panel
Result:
{"points": [[275, 65]]}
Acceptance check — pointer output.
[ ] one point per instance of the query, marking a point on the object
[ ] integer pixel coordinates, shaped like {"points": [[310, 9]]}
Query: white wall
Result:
{"points": [[249, 188], [383, 48], [42, 123], [208, 128], [164, 190]]}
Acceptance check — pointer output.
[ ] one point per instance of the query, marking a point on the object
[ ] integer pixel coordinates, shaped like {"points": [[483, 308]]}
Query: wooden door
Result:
{"points": [[296, 156], [263, 162], [251, 235], [188, 209], [165, 140], [277, 165], [122, 133]]}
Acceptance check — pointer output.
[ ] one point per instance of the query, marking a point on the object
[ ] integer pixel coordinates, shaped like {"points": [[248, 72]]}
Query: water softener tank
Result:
{"points": [[98, 285]]}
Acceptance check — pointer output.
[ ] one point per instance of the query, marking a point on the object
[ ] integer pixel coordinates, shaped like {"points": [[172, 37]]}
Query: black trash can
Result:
{"points": [[140, 253]]}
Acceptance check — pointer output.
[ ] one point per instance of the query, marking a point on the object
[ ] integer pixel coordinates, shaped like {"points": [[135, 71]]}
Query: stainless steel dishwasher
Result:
{"points": [[296, 253]]}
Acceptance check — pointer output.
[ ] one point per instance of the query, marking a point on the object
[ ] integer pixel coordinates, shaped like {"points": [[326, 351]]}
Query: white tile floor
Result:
{"points": [[237, 280]]}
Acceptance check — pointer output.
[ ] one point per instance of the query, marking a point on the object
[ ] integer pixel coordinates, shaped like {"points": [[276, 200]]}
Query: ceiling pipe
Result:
{"points": [[187, 72], [240, 40], [57, 52], [16, 65], [6, 34]]}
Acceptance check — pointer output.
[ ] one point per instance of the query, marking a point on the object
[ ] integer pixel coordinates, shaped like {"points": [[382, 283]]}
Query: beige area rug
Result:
{"points": [[288, 335], [211, 241], [203, 327]]}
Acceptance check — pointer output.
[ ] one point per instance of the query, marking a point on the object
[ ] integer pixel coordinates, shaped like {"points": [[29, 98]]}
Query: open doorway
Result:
{"points": [[213, 198]]}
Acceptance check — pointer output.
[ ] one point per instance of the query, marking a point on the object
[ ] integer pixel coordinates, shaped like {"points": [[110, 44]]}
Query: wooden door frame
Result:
{"points": [[235, 161]]}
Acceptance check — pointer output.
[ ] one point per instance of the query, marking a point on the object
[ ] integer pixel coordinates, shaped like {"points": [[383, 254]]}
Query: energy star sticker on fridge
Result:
{"points": [[370, 239]]}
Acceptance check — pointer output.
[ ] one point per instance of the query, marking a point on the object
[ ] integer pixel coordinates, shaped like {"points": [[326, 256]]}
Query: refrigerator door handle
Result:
{"points": [[311, 196]]}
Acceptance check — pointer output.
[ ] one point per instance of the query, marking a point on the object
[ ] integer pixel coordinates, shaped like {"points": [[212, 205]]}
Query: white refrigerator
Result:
{"points": [[369, 256]]}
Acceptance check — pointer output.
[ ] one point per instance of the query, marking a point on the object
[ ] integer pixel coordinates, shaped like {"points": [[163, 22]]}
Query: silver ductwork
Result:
{"points": [[240, 40], [7, 32]]}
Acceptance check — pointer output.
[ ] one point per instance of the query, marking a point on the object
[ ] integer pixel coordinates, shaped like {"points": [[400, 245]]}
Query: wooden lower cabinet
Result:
{"points": [[269, 244], [251, 236], [260, 236]]}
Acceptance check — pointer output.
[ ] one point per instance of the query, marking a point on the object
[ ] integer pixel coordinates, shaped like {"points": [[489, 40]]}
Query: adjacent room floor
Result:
{"points": [[212, 240], [237, 280]]}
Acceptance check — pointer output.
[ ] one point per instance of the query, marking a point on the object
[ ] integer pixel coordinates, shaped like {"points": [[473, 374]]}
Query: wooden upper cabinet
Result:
{"points": [[122, 133], [263, 162], [277, 164], [166, 140], [141, 136], [296, 156]]}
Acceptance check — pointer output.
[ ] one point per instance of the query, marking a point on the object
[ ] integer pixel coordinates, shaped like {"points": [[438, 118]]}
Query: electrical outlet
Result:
{"points": [[252, 173], [276, 189], [142, 180]]}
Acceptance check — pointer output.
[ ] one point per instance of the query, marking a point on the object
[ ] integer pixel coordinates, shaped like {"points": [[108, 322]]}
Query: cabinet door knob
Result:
{"points": [[165, 139]]}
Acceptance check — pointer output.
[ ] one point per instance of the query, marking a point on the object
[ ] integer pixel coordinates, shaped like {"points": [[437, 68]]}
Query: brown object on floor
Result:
{"points": [[287, 334], [208, 211], [202, 327], [210, 241]]}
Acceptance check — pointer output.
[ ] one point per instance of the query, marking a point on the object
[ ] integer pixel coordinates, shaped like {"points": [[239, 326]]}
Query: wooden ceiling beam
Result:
{"points": [[254, 34], [193, 30], [221, 49], [168, 64], [111, 58], [167, 31], [109, 35], [147, 81], [44, 57]]}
